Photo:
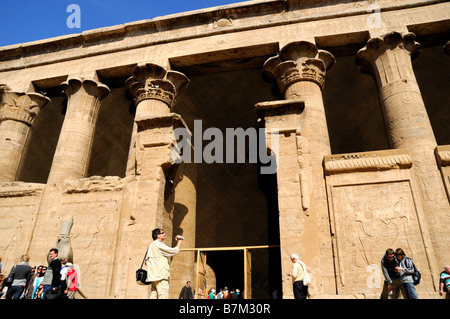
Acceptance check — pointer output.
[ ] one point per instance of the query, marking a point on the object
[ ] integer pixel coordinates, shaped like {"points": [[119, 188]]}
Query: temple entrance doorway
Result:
{"points": [[234, 204], [232, 267]]}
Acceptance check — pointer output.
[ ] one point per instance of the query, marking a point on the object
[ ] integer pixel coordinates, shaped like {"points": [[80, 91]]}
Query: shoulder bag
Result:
{"points": [[141, 274], [306, 276]]}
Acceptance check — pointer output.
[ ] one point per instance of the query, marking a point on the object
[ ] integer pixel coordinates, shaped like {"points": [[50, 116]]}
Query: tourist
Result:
{"points": [[392, 280], [226, 293], [2, 278], [186, 291], [51, 281], [158, 266], [38, 288], [220, 294], [20, 275], [63, 273], [211, 294], [298, 272], [405, 269], [32, 283], [444, 282], [72, 282], [274, 294]]}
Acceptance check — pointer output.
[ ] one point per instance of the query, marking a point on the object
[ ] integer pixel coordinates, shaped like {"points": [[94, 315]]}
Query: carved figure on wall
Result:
{"points": [[63, 243]]}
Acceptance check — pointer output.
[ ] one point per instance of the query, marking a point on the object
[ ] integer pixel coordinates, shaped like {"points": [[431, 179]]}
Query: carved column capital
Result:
{"points": [[21, 107], [298, 61], [388, 57], [90, 86], [151, 81], [17, 112], [87, 92]]}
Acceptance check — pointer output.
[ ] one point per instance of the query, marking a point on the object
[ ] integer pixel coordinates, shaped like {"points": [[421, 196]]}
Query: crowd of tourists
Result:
{"points": [[58, 280], [224, 293]]}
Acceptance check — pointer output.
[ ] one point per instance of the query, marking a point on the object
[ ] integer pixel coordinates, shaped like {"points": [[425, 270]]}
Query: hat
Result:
{"points": [[69, 264]]}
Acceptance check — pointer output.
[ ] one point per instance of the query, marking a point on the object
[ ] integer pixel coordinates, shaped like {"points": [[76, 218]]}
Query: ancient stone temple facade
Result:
{"points": [[349, 100]]}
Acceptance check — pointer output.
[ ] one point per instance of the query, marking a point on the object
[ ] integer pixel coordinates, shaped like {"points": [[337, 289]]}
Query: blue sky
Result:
{"points": [[29, 20]]}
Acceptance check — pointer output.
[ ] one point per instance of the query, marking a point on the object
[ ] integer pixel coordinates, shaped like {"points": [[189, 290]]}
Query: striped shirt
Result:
{"points": [[445, 279]]}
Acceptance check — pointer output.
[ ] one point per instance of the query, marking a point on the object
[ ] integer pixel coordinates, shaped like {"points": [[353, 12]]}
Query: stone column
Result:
{"points": [[74, 146], [17, 113], [388, 58], [299, 73], [154, 90]]}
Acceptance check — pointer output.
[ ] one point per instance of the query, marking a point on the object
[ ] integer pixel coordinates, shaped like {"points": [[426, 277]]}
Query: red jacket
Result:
{"points": [[72, 280]]}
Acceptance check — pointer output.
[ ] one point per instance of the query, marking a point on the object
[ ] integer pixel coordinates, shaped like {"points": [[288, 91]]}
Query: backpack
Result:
{"points": [[416, 275]]}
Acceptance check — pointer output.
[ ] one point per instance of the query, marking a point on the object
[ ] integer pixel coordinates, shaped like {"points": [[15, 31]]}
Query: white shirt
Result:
{"points": [[157, 261]]}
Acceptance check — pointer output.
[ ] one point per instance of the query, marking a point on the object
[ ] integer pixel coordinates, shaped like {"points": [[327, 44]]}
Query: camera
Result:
{"points": [[179, 237]]}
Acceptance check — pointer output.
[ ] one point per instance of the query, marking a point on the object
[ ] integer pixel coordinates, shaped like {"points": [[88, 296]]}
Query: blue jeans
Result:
{"points": [[410, 290], [14, 292], [46, 288]]}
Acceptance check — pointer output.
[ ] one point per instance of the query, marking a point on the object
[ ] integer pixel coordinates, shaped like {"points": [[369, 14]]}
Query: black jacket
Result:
{"points": [[186, 293], [388, 268], [55, 265]]}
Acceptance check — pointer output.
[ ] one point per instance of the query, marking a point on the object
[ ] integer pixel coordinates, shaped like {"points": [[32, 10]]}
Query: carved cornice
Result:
{"points": [[173, 120], [20, 189], [281, 107], [151, 81], [298, 61], [367, 161], [21, 107], [191, 25], [94, 184]]}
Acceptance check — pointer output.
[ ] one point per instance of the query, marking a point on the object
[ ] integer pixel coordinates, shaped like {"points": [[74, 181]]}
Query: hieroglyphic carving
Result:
{"points": [[390, 216], [365, 229]]}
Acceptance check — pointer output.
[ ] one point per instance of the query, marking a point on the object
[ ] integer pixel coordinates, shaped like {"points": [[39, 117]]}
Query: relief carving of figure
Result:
{"points": [[63, 243]]}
